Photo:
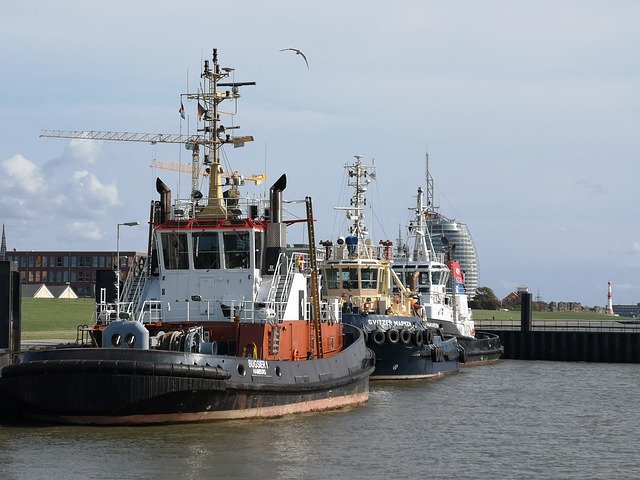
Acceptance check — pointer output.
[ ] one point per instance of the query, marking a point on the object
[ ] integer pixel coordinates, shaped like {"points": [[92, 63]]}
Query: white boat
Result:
{"points": [[437, 282]]}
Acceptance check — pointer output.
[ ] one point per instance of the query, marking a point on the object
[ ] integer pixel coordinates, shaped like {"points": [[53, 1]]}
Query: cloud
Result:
{"points": [[84, 231], [66, 201], [21, 176], [84, 151], [85, 192]]}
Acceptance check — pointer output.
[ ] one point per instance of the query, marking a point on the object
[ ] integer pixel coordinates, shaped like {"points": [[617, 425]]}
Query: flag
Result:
{"points": [[181, 111], [456, 271], [201, 111]]}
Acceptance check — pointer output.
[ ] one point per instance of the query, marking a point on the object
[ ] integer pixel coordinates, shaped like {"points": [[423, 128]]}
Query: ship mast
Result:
{"points": [[214, 133], [359, 177]]}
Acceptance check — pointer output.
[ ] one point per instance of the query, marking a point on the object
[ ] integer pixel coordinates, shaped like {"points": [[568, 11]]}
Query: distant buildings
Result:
{"points": [[627, 310], [75, 269]]}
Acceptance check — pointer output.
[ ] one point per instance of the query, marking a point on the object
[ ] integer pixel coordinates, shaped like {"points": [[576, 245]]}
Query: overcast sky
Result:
{"points": [[529, 110]]}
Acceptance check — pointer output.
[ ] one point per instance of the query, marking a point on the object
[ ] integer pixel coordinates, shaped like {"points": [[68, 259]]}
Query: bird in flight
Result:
{"points": [[298, 52]]}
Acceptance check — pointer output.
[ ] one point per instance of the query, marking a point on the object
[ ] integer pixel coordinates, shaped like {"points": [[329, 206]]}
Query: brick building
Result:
{"points": [[76, 269]]}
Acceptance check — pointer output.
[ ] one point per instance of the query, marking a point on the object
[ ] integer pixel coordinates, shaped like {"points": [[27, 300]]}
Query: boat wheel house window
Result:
{"points": [[206, 250], [332, 279], [369, 278], [175, 251], [236, 249], [350, 278]]}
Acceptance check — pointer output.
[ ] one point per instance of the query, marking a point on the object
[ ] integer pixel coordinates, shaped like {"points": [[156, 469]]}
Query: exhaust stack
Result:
{"points": [[276, 240]]}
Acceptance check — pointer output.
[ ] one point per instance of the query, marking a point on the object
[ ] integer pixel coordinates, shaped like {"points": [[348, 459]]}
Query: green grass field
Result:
{"points": [[47, 318], [515, 315]]}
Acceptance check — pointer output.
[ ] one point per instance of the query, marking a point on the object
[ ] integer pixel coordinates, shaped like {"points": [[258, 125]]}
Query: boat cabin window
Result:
{"points": [[369, 278], [175, 251], [206, 250], [236, 249], [350, 278], [331, 277]]}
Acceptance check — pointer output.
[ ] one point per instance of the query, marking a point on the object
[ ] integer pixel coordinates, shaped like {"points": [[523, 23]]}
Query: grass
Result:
{"points": [[46, 318], [515, 315]]}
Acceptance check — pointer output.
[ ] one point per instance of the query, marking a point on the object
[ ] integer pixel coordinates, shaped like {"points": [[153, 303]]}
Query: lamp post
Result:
{"points": [[127, 224]]}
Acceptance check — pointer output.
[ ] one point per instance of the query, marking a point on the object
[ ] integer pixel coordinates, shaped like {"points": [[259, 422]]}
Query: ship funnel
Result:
{"points": [[276, 230], [275, 198], [165, 199]]}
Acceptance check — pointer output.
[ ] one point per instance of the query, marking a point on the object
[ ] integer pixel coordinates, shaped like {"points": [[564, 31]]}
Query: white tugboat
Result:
{"points": [[438, 282]]}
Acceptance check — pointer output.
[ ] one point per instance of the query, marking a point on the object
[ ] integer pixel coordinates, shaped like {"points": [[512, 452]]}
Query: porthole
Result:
{"points": [[241, 369], [116, 339], [130, 340]]}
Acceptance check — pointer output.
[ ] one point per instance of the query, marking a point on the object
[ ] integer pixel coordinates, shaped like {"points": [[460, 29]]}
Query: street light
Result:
{"points": [[126, 224]]}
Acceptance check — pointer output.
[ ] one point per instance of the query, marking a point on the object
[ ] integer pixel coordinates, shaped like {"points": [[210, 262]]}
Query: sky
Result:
{"points": [[529, 110]]}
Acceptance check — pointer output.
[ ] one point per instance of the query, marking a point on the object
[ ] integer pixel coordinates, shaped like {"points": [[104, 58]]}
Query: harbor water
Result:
{"points": [[512, 419]]}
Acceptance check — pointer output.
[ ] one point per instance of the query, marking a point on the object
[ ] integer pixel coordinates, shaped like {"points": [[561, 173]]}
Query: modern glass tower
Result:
{"points": [[465, 250]]}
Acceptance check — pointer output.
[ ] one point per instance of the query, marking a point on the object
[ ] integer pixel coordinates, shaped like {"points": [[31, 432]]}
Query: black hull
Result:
{"points": [[482, 349], [430, 358], [115, 386], [399, 362]]}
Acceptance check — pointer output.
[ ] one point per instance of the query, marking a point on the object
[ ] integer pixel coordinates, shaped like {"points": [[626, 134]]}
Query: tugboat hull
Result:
{"points": [[401, 356], [482, 349], [396, 362], [116, 387]]}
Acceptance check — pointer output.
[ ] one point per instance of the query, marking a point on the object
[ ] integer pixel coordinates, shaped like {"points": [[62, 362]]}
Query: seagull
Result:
{"points": [[298, 52]]}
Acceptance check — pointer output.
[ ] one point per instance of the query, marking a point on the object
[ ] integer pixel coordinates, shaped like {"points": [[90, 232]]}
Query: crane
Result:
{"points": [[258, 178], [212, 136]]}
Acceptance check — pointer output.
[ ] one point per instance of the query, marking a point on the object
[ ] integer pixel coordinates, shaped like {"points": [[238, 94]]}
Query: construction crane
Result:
{"points": [[212, 136], [231, 177]]}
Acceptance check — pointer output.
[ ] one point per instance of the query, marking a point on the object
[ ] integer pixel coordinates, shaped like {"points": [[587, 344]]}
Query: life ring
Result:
{"points": [[378, 337], [405, 336], [393, 335], [417, 338]]}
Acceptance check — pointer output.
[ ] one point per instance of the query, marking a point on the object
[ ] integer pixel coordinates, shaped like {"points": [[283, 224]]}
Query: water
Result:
{"points": [[513, 419]]}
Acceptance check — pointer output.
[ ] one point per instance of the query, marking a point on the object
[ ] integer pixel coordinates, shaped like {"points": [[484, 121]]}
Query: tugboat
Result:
{"points": [[438, 282], [216, 323], [357, 277]]}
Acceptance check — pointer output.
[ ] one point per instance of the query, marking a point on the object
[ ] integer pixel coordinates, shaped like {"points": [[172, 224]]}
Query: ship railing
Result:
{"points": [[135, 271], [281, 283], [185, 209], [201, 310], [150, 312], [582, 325], [271, 296], [342, 252], [329, 311]]}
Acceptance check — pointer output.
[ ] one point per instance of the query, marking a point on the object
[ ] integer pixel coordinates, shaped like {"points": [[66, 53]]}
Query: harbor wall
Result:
{"points": [[10, 328], [609, 342], [570, 346]]}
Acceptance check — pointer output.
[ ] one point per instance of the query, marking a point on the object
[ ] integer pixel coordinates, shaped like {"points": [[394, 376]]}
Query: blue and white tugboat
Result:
{"points": [[217, 323], [437, 281], [358, 277]]}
